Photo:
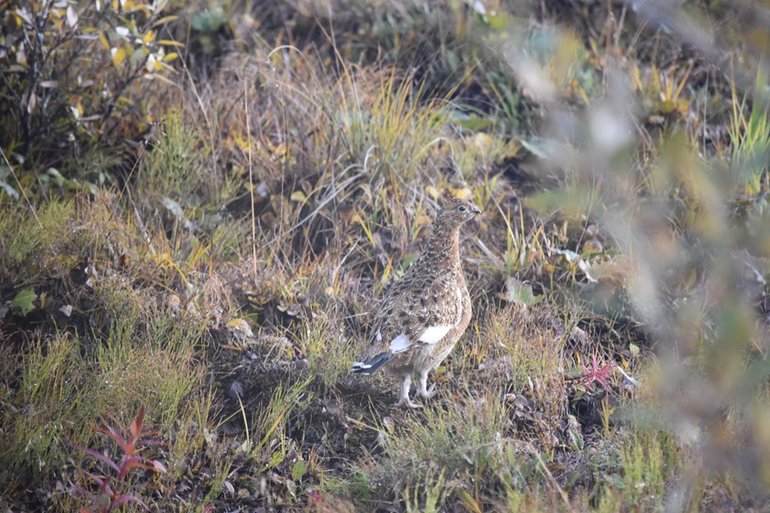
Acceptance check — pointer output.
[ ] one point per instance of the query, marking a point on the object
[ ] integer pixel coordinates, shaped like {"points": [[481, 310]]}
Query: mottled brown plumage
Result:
{"points": [[423, 315]]}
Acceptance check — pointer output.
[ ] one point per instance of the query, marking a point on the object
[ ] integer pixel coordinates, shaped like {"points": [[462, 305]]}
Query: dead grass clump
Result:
{"points": [[363, 135]]}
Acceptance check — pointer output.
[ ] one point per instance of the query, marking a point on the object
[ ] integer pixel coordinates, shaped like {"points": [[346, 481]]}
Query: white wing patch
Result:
{"points": [[435, 333], [400, 344]]}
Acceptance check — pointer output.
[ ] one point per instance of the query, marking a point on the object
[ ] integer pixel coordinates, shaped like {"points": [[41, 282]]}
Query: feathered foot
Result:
{"points": [[406, 384], [424, 391]]}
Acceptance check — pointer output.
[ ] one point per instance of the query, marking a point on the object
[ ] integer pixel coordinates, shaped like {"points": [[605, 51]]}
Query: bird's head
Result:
{"points": [[455, 211]]}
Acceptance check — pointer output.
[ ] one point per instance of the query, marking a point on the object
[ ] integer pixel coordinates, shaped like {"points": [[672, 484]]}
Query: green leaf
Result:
{"points": [[499, 21], [5, 172], [10, 191], [209, 20], [25, 300], [138, 55], [407, 260], [472, 122], [299, 470], [520, 293]]}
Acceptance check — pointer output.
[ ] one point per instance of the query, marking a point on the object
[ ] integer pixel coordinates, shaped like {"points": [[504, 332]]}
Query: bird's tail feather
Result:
{"points": [[371, 365]]}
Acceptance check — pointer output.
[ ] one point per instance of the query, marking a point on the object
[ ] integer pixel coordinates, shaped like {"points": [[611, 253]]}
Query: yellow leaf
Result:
{"points": [[103, 40], [156, 76], [358, 219], [170, 57], [298, 196], [483, 142], [118, 56], [149, 37], [464, 193], [15, 21], [240, 325], [170, 42], [279, 151], [164, 20], [242, 141], [511, 148]]}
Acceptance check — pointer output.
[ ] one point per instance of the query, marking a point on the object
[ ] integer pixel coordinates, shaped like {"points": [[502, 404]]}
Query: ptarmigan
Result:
{"points": [[423, 315]]}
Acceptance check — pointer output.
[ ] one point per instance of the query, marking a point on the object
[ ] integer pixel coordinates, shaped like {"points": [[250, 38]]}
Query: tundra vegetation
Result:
{"points": [[200, 203]]}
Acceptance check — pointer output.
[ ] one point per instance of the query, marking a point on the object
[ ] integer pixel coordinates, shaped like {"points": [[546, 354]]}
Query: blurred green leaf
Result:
{"points": [[209, 20], [574, 203], [520, 293], [24, 300], [472, 122], [407, 261], [10, 191], [299, 470], [5, 172]]}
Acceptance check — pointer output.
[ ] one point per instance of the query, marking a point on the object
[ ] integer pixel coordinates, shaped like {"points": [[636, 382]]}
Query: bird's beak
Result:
{"points": [[475, 209]]}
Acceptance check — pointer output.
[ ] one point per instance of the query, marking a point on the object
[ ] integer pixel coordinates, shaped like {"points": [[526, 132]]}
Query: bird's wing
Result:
{"points": [[422, 313], [418, 310]]}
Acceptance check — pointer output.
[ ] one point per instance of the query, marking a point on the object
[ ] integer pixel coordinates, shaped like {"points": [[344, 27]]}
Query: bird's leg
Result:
{"points": [[424, 391], [406, 384]]}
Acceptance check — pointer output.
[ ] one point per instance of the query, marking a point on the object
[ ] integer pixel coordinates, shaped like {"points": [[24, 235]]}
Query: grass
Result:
{"points": [[228, 280], [25, 235], [750, 137]]}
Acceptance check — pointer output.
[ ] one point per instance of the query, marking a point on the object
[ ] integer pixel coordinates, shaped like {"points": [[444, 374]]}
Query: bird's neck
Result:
{"points": [[444, 245]]}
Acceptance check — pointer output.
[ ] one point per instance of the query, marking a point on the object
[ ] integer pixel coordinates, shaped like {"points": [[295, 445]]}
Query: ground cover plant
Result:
{"points": [[200, 204]]}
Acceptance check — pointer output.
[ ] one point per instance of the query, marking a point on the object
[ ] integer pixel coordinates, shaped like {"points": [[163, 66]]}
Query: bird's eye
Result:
{"points": [[461, 208]]}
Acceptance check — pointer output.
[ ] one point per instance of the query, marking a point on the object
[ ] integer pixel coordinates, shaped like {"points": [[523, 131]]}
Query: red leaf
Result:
{"points": [[103, 482], [127, 463], [136, 425], [127, 497], [79, 489], [115, 435], [597, 373], [99, 456]]}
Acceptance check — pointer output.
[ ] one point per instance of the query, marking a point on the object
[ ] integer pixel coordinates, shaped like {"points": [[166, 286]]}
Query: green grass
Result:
{"points": [[25, 234], [750, 139], [69, 381]]}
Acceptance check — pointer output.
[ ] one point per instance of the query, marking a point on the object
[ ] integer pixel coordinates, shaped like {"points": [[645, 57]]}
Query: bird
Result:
{"points": [[423, 315]]}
